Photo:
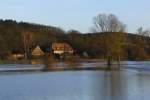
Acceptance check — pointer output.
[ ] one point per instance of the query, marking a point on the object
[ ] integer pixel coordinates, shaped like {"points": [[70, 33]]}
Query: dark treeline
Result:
{"points": [[13, 38], [136, 47]]}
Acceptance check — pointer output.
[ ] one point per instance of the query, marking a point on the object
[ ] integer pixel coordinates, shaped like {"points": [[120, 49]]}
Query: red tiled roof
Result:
{"points": [[61, 46]]}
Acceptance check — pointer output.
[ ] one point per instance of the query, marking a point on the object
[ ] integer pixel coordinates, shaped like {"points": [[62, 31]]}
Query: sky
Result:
{"points": [[76, 14]]}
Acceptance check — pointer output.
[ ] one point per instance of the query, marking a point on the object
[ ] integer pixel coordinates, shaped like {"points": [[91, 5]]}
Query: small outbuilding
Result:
{"points": [[37, 52], [16, 55]]}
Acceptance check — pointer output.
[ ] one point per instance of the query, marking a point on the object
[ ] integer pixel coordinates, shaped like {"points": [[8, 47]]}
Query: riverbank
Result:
{"points": [[55, 66], [75, 66]]}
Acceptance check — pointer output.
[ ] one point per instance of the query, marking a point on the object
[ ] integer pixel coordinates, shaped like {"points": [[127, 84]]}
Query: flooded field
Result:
{"points": [[131, 83]]}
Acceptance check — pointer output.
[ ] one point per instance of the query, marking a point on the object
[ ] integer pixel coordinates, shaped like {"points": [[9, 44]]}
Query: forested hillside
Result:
{"points": [[11, 38], [135, 47]]}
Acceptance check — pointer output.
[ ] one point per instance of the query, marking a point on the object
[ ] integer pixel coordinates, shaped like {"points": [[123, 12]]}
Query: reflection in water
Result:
{"points": [[118, 86], [76, 85], [112, 85]]}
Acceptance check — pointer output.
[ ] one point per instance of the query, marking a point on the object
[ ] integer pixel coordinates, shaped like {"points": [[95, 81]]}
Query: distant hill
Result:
{"points": [[42, 35], [11, 35]]}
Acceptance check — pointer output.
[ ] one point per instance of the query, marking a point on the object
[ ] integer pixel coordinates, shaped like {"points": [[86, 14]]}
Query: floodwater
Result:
{"points": [[130, 83]]}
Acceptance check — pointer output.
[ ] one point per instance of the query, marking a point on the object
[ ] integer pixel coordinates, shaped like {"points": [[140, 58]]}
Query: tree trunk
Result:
{"points": [[26, 56], [118, 61], [25, 52], [109, 62]]}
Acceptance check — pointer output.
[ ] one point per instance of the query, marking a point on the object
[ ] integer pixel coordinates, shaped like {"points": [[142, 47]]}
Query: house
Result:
{"points": [[37, 51], [61, 48]]}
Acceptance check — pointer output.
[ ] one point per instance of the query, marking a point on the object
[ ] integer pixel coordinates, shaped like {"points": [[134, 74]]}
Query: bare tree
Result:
{"points": [[108, 23], [113, 35], [26, 39], [142, 32], [141, 43]]}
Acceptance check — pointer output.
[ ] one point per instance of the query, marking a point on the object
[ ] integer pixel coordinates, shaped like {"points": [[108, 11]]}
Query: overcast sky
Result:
{"points": [[76, 14]]}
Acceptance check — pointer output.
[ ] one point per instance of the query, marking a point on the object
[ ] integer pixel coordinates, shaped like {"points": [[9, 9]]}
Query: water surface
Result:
{"points": [[127, 84]]}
